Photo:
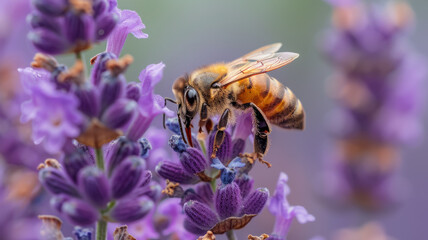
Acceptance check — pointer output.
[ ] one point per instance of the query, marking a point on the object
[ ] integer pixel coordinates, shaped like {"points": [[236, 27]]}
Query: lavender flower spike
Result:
{"points": [[284, 213]]}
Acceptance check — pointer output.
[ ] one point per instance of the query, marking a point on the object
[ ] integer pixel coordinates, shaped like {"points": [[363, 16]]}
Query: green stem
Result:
{"points": [[101, 224], [101, 230], [231, 235], [100, 158]]}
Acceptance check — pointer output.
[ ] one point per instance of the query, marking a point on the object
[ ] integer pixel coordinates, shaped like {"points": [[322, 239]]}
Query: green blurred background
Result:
{"points": [[188, 34]]}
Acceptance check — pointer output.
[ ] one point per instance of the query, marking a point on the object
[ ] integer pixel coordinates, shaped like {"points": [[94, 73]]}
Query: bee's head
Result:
{"points": [[190, 104]]}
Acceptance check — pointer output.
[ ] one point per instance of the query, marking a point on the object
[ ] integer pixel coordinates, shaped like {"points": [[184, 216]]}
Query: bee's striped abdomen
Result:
{"points": [[279, 104]]}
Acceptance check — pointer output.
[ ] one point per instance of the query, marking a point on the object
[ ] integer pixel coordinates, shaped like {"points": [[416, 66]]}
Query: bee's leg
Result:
{"points": [[261, 141], [203, 117], [221, 128]]}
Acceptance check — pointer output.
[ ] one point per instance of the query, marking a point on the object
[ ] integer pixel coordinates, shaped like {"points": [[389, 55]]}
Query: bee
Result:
{"points": [[224, 89]]}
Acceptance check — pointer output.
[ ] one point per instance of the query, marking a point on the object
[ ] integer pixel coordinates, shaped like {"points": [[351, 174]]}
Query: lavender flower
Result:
{"points": [[150, 105], [285, 213], [228, 201], [95, 194], [53, 113], [71, 26], [193, 161], [377, 83]]}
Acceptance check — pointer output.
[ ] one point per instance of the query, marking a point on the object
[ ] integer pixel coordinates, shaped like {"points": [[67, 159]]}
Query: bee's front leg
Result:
{"points": [[261, 141], [221, 128]]}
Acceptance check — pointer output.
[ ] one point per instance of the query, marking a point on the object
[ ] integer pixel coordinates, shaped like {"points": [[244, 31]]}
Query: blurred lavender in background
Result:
{"points": [[378, 85]]}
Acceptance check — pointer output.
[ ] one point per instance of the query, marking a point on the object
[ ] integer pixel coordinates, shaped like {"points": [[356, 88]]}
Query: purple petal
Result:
{"points": [[129, 22]]}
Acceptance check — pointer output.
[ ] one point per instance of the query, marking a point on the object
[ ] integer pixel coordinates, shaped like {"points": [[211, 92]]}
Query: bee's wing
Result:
{"points": [[262, 60], [272, 48]]}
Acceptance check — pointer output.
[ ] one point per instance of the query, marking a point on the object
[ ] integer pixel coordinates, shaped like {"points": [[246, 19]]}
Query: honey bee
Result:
{"points": [[223, 89]]}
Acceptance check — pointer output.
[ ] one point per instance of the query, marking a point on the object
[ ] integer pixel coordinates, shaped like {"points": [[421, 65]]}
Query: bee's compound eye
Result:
{"points": [[191, 97]]}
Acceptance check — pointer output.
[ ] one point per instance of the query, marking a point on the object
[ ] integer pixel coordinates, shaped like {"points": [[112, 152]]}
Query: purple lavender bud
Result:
{"points": [[99, 7], [119, 113], [245, 184], [79, 212], [105, 25], [145, 147], [75, 161], [238, 147], [224, 152], [193, 160], [173, 125], [177, 144], [55, 182], [79, 28], [255, 202], [89, 100], [193, 228], [57, 201], [131, 210], [47, 41], [228, 200], [94, 185], [206, 192], [51, 7], [44, 22], [127, 176], [200, 214], [100, 66], [133, 91], [174, 172], [111, 89], [119, 150]]}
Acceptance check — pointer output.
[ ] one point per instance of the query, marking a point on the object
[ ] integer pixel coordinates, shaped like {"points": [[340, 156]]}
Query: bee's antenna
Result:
{"points": [[170, 100]]}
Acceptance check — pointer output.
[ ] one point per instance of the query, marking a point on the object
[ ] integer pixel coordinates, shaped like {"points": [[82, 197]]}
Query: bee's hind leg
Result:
{"points": [[221, 128], [261, 141]]}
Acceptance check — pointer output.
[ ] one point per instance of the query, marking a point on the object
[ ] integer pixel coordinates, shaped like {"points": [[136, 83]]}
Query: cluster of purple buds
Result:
{"points": [[209, 206], [71, 25], [193, 162], [64, 105], [231, 206], [377, 84], [85, 193]]}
